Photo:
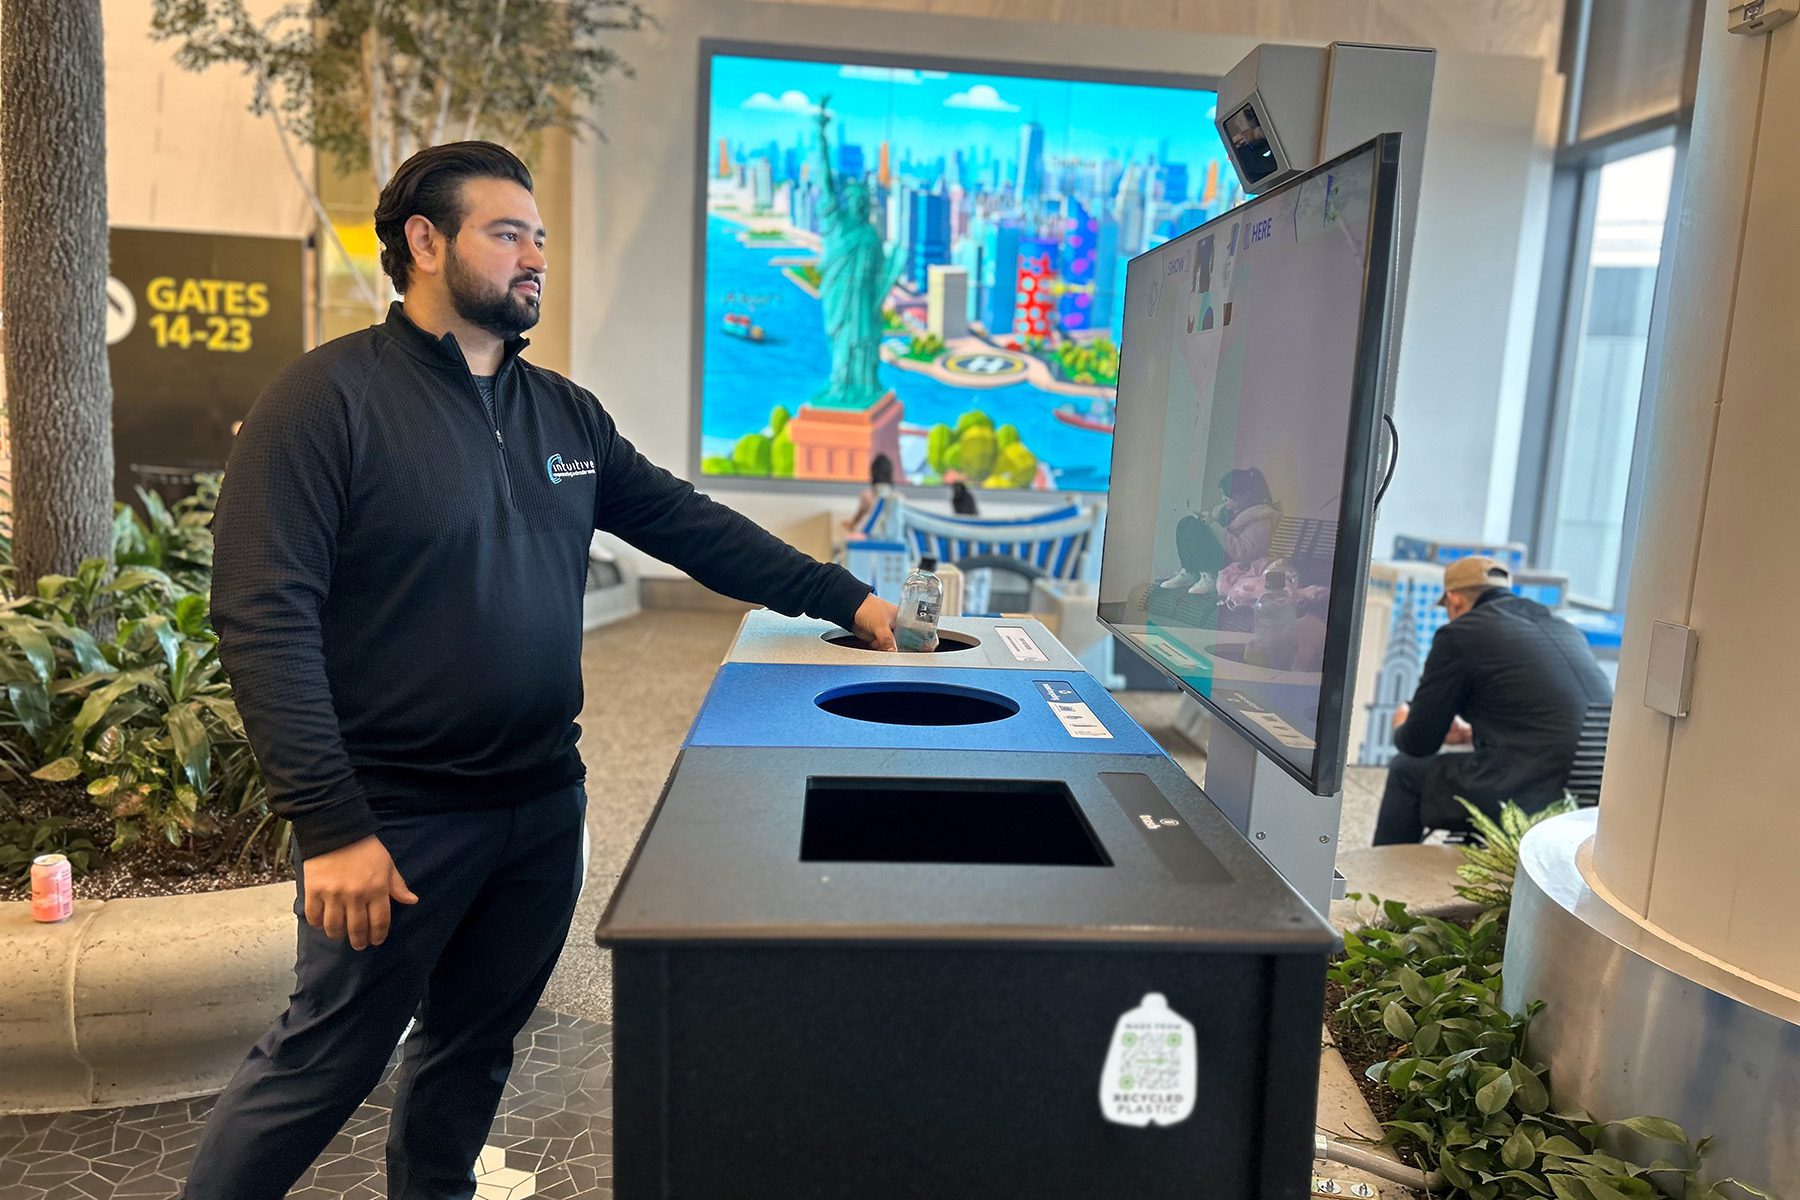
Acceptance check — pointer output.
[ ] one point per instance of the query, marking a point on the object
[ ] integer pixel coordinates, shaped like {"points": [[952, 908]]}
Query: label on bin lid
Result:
{"points": [[1019, 643], [1078, 720], [1150, 1074]]}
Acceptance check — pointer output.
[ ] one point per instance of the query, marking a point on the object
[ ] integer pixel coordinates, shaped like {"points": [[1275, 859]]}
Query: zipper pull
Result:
{"points": [[498, 438]]}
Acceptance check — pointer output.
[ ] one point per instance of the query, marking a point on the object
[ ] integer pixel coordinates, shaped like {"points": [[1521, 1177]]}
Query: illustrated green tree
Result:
{"points": [[371, 82]]}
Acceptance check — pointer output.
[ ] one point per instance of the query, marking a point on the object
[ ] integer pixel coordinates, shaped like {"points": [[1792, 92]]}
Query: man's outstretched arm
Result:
{"points": [[724, 550]]}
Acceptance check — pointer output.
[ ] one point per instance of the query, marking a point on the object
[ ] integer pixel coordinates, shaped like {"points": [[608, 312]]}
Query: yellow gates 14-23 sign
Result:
{"points": [[197, 325], [214, 312]]}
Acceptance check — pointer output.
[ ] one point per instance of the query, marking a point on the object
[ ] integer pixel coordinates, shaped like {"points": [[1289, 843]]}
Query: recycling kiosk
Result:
{"points": [[903, 928]]}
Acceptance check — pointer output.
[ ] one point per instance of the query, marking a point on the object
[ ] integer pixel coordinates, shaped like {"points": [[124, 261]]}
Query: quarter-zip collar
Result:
{"points": [[441, 352]]}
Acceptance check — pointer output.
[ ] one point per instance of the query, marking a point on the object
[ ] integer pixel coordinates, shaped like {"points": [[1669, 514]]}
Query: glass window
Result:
{"points": [[1598, 418]]}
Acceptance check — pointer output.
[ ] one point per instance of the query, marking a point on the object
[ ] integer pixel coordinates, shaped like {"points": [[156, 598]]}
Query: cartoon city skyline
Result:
{"points": [[1015, 202]]}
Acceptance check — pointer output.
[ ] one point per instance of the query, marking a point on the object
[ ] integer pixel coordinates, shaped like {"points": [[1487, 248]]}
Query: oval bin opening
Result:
{"points": [[916, 704], [948, 643]]}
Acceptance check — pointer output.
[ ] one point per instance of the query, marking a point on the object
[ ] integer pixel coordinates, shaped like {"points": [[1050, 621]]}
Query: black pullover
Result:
{"points": [[398, 579], [1524, 678]]}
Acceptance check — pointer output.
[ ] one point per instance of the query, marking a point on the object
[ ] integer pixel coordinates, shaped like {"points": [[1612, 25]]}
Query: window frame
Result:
{"points": [[1562, 309]]}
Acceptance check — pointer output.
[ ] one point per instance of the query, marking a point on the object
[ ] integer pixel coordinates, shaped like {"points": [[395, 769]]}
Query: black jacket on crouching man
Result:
{"points": [[1524, 679], [399, 579]]}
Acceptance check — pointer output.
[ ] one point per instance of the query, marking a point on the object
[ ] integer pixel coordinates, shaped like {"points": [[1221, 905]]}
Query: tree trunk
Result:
{"points": [[53, 201]]}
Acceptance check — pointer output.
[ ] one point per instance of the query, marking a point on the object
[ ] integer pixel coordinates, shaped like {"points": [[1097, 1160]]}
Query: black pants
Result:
{"points": [[1198, 546], [496, 892], [1422, 794], [1411, 803]]}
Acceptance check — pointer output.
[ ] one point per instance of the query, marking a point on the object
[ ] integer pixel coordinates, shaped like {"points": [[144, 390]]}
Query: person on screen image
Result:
{"points": [[881, 488], [1506, 677], [962, 500], [1235, 532]]}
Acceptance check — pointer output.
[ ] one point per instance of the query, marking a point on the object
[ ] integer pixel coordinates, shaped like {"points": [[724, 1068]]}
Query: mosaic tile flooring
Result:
{"points": [[552, 1139]]}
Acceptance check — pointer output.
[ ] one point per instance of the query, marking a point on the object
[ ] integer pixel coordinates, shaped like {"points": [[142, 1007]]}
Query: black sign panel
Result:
{"points": [[196, 325]]}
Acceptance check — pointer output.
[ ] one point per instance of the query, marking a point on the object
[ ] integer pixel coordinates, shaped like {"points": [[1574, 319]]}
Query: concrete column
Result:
{"points": [[1699, 824]]}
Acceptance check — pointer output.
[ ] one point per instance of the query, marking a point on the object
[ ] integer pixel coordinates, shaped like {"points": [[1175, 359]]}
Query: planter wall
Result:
{"points": [[138, 1001]]}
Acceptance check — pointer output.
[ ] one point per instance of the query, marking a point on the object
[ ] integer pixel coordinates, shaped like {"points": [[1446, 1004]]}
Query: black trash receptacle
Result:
{"points": [[905, 973]]}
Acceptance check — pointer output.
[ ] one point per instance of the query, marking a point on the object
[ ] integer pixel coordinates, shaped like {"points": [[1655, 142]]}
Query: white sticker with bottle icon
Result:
{"points": [[1078, 720], [1150, 1071]]}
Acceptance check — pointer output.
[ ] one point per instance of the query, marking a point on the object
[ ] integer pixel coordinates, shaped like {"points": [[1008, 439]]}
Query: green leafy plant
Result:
{"points": [[176, 541], [110, 682], [146, 719], [1472, 1103], [21, 841], [1487, 875]]}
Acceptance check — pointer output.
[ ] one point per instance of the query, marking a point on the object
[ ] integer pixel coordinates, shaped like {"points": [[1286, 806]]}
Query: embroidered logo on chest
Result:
{"points": [[560, 469]]}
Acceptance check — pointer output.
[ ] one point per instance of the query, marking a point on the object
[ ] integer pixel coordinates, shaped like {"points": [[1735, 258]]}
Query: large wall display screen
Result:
{"points": [[1248, 417], [926, 260]]}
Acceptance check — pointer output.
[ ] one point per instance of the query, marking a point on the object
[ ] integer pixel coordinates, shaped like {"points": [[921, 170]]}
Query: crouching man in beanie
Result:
{"points": [[1505, 676]]}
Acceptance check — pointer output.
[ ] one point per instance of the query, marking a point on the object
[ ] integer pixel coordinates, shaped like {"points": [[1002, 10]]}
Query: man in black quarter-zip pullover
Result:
{"points": [[402, 546]]}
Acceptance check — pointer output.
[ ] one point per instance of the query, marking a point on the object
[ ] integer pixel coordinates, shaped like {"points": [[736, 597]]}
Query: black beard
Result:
{"points": [[500, 313]]}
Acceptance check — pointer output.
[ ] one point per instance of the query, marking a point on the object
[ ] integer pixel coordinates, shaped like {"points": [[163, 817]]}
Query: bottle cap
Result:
{"points": [[927, 563]]}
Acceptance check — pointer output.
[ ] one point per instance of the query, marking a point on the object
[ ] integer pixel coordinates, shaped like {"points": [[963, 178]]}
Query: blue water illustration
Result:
{"points": [[744, 379]]}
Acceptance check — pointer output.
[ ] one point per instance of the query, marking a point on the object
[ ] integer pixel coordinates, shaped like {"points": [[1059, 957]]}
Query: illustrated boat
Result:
{"points": [[1088, 420], [740, 325]]}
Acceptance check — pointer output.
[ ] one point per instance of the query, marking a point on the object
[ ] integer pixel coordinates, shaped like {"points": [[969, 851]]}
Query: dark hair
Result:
{"points": [[962, 500], [881, 469], [1247, 486], [429, 185]]}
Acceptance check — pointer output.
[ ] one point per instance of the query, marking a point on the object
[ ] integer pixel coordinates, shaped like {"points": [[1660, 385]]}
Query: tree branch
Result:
{"points": [[443, 108], [478, 101], [318, 206], [379, 151]]}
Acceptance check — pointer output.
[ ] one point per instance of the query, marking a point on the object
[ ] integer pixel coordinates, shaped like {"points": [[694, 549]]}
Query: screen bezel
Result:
{"points": [[714, 47], [1349, 570]]}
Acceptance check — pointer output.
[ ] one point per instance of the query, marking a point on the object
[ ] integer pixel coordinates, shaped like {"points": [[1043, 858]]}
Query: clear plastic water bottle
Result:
{"points": [[1273, 640], [921, 602]]}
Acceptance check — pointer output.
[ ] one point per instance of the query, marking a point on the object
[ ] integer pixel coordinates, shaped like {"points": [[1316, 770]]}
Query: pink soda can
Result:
{"points": [[52, 888]]}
